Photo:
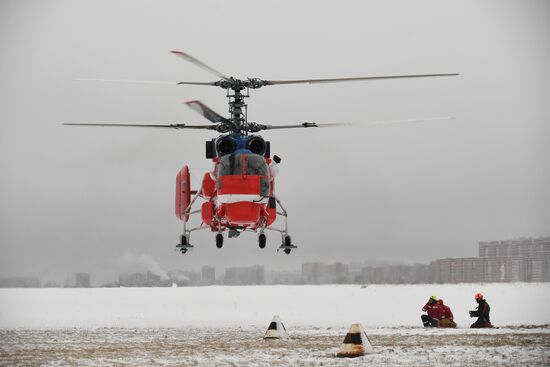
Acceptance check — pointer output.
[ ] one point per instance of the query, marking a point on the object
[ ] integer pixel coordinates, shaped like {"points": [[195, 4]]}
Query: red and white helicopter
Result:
{"points": [[238, 193]]}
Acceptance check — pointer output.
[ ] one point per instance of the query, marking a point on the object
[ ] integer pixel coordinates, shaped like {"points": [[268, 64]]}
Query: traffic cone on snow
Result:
{"points": [[356, 343], [276, 329]]}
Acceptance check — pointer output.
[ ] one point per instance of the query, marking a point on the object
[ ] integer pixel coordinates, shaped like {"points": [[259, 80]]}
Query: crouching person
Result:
{"points": [[433, 313], [447, 318], [481, 312]]}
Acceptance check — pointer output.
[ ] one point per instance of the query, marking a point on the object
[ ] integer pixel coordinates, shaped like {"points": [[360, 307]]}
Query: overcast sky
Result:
{"points": [[81, 198]]}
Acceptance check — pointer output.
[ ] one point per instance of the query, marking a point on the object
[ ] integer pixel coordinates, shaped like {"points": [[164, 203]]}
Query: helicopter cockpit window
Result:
{"points": [[242, 164], [230, 164], [255, 165], [245, 165]]}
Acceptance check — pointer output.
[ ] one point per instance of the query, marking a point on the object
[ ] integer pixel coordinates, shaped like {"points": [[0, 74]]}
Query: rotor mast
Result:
{"points": [[238, 109], [237, 106]]}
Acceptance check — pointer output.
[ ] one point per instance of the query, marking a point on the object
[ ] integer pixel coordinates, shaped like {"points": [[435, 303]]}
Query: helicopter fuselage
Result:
{"points": [[238, 191]]}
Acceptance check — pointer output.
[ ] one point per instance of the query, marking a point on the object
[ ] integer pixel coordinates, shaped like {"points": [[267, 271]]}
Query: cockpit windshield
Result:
{"points": [[242, 164]]}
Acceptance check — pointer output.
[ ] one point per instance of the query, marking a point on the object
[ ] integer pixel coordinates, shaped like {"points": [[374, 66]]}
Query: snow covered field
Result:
{"points": [[217, 306], [245, 347], [223, 326]]}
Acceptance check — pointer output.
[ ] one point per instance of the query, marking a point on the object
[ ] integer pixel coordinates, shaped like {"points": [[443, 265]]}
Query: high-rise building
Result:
{"points": [[526, 259], [521, 260]]}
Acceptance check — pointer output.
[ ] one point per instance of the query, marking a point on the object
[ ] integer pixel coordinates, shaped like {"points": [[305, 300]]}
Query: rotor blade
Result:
{"points": [[170, 126], [199, 63], [388, 122], [143, 81], [335, 80], [198, 83], [206, 111], [274, 127], [339, 124], [305, 124], [126, 81]]}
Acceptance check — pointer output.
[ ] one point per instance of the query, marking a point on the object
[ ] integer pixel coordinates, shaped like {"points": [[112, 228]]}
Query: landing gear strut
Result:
{"points": [[185, 244], [287, 245]]}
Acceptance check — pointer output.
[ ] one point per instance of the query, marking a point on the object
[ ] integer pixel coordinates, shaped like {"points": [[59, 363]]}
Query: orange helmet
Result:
{"points": [[478, 296]]}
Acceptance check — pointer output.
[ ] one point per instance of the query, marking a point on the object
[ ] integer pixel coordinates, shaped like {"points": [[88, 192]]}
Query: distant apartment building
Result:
{"points": [[78, 280], [252, 275], [459, 270], [522, 260], [20, 282], [321, 273], [395, 274], [147, 279], [283, 277], [208, 275]]}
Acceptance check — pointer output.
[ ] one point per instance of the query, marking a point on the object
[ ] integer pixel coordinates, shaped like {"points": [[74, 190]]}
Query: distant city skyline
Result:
{"points": [[526, 260]]}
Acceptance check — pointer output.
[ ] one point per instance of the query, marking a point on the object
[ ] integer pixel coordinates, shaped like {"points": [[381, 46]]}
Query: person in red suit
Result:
{"points": [[447, 318], [433, 310]]}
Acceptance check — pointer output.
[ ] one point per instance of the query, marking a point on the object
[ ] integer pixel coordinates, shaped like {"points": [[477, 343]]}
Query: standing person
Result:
{"points": [[434, 313], [481, 312], [447, 317]]}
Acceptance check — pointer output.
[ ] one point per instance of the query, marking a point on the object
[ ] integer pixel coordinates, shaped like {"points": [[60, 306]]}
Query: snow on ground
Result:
{"points": [[223, 326], [238, 306], [245, 347]]}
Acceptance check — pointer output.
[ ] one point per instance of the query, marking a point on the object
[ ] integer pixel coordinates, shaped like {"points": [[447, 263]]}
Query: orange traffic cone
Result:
{"points": [[276, 329], [356, 343]]}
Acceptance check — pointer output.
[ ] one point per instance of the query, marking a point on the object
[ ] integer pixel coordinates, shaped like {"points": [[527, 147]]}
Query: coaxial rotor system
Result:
{"points": [[237, 122]]}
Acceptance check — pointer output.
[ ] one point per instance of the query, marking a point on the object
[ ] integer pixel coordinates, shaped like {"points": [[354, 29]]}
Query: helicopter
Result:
{"points": [[238, 192]]}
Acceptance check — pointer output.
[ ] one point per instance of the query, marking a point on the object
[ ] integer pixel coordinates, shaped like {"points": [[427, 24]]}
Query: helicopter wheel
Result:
{"points": [[219, 240], [287, 241], [262, 240]]}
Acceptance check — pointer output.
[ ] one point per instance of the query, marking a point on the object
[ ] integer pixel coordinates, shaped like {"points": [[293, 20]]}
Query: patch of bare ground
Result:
{"points": [[245, 347]]}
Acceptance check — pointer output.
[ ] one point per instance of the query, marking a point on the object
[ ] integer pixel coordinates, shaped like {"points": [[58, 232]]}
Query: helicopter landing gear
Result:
{"points": [[262, 239], [287, 245], [184, 244], [219, 240]]}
